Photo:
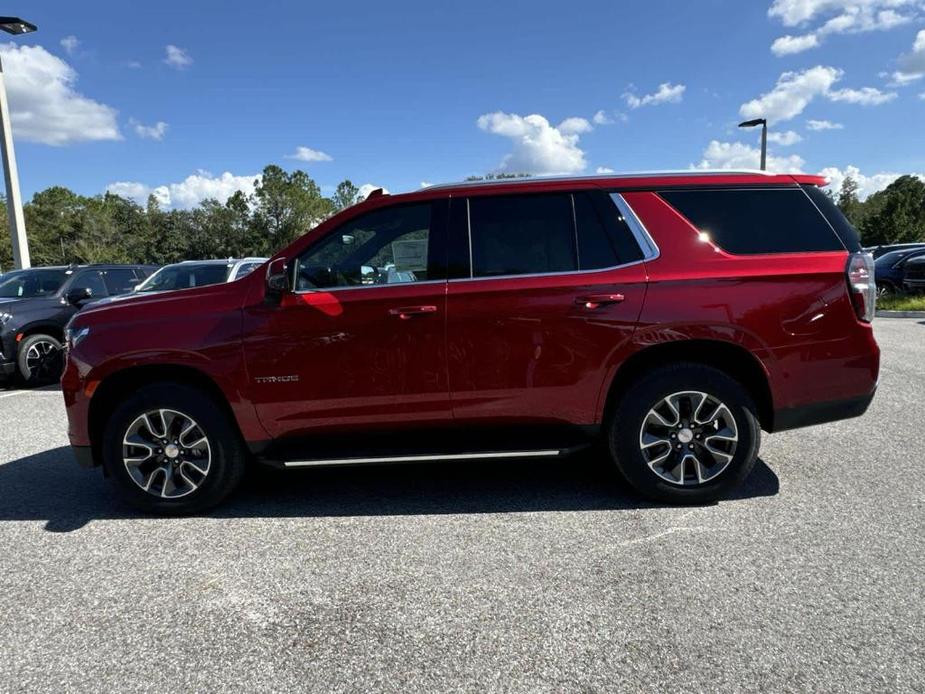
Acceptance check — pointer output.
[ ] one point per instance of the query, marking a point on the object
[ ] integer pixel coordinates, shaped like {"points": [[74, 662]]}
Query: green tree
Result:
{"points": [[345, 196], [287, 205], [848, 200], [896, 214]]}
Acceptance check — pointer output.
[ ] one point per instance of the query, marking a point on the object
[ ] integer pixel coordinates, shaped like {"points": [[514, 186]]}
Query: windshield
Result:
{"points": [[27, 284], [185, 276]]}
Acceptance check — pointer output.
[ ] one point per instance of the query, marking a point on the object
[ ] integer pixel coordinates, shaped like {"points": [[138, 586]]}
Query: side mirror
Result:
{"points": [[78, 296], [277, 276]]}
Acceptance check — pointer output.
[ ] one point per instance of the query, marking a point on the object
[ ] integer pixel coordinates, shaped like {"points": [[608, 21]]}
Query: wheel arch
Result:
{"points": [[732, 359], [41, 328], [112, 390]]}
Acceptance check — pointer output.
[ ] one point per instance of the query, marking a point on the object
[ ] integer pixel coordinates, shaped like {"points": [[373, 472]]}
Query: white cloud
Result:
{"points": [[844, 17], [575, 126], [70, 44], [667, 93], [867, 184], [538, 147], [44, 104], [364, 190], [603, 170], [784, 139], [788, 45], [912, 64], [149, 132], [794, 91], [792, 94], [177, 57], [736, 155], [426, 184], [601, 118], [190, 191], [823, 125], [867, 96], [309, 154]]}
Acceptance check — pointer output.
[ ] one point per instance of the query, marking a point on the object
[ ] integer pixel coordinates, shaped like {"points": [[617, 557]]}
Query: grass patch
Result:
{"points": [[902, 302]]}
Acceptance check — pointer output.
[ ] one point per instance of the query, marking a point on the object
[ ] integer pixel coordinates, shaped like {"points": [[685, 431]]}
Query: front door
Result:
{"points": [[360, 341], [556, 287]]}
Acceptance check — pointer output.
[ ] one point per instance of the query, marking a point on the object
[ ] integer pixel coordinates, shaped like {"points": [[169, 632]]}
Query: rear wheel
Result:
{"points": [[684, 434], [40, 360], [171, 450]]}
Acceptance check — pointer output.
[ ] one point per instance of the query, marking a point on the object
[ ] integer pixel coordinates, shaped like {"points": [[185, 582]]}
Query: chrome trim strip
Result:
{"points": [[548, 453], [646, 243], [325, 290], [683, 173]]}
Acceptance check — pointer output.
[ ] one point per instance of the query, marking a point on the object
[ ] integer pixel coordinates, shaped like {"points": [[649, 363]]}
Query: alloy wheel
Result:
{"points": [[688, 438], [43, 360], [166, 453]]}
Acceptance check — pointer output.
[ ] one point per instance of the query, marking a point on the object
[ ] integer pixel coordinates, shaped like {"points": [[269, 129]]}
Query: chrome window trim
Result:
{"points": [[366, 286], [643, 238]]}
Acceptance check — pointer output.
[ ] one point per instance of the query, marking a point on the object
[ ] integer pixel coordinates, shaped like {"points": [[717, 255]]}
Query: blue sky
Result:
{"points": [[399, 94]]}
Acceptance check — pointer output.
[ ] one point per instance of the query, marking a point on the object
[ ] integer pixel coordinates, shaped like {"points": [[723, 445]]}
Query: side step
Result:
{"points": [[432, 457]]}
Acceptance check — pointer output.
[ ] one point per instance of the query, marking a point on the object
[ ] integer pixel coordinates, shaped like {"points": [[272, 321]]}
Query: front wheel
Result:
{"points": [[684, 434], [40, 360], [172, 451]]}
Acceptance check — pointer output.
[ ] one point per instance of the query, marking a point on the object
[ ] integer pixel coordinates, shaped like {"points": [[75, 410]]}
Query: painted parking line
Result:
{"points": [[13, 393]]}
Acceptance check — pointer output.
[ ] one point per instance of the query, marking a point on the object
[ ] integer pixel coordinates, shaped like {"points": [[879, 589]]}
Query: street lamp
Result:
{"points": [[764, 137], [15, 26]]}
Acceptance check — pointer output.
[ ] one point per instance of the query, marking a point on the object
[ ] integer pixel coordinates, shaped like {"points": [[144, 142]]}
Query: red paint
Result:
{"points": [[519, 349]]}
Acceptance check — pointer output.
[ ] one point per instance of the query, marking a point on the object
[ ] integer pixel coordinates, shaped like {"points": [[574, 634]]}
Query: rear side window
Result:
{"points": [[522, 234], [750, 221], [847, 233], [595, 249]]}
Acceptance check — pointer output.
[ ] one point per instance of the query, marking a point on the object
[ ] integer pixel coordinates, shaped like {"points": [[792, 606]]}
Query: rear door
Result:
{"points": [[555, 284]]}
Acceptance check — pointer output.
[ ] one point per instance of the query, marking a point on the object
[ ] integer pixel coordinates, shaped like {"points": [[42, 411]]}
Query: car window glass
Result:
{"points": [[27, 284], [90, 280], [522, 234], [120, 281], [185, 276], [768, 220], [246, 269], [389, 246]]}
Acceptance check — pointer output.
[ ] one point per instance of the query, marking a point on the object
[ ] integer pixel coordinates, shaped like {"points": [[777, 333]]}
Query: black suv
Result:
{"points": [[36, 304]]}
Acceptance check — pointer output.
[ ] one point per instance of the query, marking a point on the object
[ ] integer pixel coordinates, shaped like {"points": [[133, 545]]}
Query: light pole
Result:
{"points": [[764, 138], [16, 26]]}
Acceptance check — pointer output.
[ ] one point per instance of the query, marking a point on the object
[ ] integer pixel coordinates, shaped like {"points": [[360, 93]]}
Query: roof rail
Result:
{"points": [[599, 177]]}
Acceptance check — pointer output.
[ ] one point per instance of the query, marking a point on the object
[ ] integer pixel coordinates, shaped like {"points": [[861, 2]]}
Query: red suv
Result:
{"points": [[670, 317]]}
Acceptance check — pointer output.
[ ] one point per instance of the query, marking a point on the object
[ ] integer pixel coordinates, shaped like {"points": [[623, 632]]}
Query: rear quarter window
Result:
{"points": [[753, 221]]}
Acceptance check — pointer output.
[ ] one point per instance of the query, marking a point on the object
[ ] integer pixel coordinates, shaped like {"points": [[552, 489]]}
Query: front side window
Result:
{"points": [[387, 246], [92, 281], [120, 281]]}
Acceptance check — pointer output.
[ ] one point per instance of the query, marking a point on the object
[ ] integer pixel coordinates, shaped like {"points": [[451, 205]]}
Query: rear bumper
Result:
{"points": [[821, 412]]}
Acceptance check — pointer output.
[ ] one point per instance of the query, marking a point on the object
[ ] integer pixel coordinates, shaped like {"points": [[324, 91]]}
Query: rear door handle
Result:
{"points": [[407, 312], [597, 300]]}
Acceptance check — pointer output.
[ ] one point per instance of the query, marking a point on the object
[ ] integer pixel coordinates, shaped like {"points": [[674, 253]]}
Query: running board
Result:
{"points": [[327, 462]]}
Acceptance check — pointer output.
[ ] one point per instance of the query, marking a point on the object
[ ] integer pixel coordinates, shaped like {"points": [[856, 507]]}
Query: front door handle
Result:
{"points": [[597, 300], [408, 312]]}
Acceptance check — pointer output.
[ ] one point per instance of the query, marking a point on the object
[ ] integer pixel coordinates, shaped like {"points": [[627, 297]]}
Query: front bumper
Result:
{"points": [[7, 369]]}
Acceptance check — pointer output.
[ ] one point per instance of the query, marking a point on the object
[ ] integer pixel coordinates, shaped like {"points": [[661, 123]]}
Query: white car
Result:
{"points": [[199, 273]]}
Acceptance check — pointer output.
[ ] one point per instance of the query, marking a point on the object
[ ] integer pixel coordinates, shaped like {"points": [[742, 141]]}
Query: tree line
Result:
{"points": [[65, 227]]}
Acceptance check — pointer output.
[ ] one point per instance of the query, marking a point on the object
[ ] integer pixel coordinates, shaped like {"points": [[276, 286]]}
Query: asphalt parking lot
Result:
{"points": [[528, 576]]}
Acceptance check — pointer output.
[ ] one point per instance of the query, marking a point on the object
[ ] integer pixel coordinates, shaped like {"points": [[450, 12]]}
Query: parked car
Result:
{"points": [[889, 269], [36, 304], [670, 317], [914, 274], [199, 273], [877, 251]]}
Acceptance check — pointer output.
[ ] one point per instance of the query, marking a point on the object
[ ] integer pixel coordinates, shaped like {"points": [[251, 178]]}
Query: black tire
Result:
{"points": [[226, 449], [623, 431], [51, 361]]}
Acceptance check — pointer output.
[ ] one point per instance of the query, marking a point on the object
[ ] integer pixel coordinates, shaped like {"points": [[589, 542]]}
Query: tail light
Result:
{"points": [[861, 286]]}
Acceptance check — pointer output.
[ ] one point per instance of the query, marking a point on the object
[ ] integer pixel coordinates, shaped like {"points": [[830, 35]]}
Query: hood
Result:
{"points": [[147, 306]]}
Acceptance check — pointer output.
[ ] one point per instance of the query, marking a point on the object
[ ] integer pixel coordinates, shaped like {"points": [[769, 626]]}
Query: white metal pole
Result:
{"points": [[13, 197]]}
